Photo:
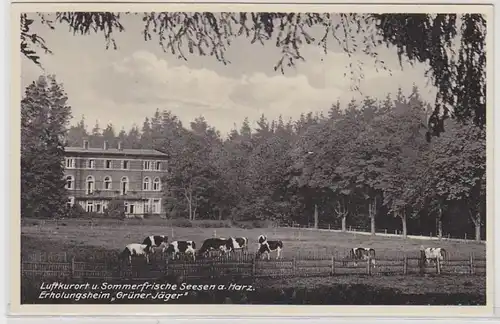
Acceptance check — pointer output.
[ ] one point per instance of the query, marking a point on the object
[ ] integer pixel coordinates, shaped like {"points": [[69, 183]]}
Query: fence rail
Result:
{"points": [[380, 232], [249, 267]]}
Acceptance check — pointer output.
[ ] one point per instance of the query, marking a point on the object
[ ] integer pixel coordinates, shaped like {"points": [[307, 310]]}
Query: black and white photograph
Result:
{"points": [[296, 157]]}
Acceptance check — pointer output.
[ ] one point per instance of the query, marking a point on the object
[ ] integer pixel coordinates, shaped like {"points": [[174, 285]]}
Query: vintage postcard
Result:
{"points": [[259, 157]]}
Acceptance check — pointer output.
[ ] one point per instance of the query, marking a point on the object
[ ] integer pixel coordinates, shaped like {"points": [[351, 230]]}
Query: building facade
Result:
{"points": [[94, 176]]}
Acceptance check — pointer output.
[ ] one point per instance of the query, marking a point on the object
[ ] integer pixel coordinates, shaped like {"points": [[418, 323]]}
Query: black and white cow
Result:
{"points": [[156, 241], [433, 254], [214, 244], [135, 249], [266, 247], [362, 253], [176, 248], [236, 244]]}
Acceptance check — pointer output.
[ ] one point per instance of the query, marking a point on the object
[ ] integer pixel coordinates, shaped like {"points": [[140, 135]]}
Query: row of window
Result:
{"points": [[147, 184], [108, 164], [153, 206]]}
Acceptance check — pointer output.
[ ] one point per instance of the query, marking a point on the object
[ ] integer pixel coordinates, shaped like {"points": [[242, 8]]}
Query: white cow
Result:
{"points": [[176, 248], [135, 249], [433, 254]]}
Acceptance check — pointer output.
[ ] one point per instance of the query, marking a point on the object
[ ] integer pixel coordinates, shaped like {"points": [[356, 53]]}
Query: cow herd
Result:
{"points": [[224, 246], [176, 249]]}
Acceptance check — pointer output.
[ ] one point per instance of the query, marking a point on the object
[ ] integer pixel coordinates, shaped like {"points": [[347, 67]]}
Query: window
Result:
{"points": [[86, 144], [155, 206], [147, 165], [124, 185], [90, 206], [70, 202], [107, 183], [158, 165], [108, 164], [147, 206], [125, 165], [145, 183], [91, 164], [70, 163], [156, 184], [70, 181], [90, 185]]}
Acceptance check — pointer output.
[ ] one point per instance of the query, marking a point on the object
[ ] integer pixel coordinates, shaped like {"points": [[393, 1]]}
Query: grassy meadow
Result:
{"points": [[299, 243]]}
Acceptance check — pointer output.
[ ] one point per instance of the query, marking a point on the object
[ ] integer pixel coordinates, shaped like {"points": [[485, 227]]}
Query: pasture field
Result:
{"points": [[80, 239], [299, 243]]}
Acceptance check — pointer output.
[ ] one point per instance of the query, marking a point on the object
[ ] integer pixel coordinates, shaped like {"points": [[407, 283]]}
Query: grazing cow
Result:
{"points": [[213, 244], [433, 254], [176, 248], [156, 241], [262, 239], [362, 253], [135, 249], [238, 243], [269, 246]]}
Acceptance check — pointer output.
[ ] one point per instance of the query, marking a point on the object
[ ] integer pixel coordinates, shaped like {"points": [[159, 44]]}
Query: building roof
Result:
{"points": [[114, 151]]}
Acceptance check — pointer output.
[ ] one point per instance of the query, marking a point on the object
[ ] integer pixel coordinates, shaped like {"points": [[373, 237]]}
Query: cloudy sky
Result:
{"points": [[124, 86]]}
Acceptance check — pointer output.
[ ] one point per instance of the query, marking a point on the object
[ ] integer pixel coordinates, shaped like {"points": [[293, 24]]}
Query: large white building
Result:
{"points": [[94, 176]]}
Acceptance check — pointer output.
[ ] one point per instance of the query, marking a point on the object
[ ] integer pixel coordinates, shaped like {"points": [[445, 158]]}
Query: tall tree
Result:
{"points": [[77, 133], [109, 136], [44, 118], [96, 139]]}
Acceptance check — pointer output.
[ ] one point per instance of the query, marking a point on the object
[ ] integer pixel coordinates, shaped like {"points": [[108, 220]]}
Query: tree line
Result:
{"points": [[367, 165]]}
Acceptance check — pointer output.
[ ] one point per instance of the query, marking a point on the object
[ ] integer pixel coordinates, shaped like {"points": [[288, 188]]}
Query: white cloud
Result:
{"points": [[111, 88], [145, 79]]}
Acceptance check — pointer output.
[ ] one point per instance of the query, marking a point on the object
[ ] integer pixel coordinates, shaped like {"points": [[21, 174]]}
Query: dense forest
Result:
{"points": [[366, 165]]}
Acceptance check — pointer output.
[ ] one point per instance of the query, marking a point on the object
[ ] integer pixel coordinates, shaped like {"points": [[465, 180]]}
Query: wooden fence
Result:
{"points": [[383, 232], [248, 267]]}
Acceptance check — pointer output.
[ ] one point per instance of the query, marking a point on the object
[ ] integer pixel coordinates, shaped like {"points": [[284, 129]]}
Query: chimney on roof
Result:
{"points": [[120, 145], [105, 145], [85, 144]]}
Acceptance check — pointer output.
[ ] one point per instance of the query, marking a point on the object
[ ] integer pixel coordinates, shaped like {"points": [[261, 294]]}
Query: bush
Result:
{"points": [[76, 211], [116, 209]]}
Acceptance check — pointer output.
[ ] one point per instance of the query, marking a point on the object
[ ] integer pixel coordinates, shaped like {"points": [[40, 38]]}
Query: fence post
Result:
{"points": [[421, 261], [333, 264], [253, 268], [329, 227], [471, 260], [438, 266], [368, 266], [294, 266], [405, 265]]}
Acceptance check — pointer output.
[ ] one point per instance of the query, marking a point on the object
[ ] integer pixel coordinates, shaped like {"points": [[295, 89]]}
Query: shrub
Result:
{"points": [[115, 209], [76, 211]]}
